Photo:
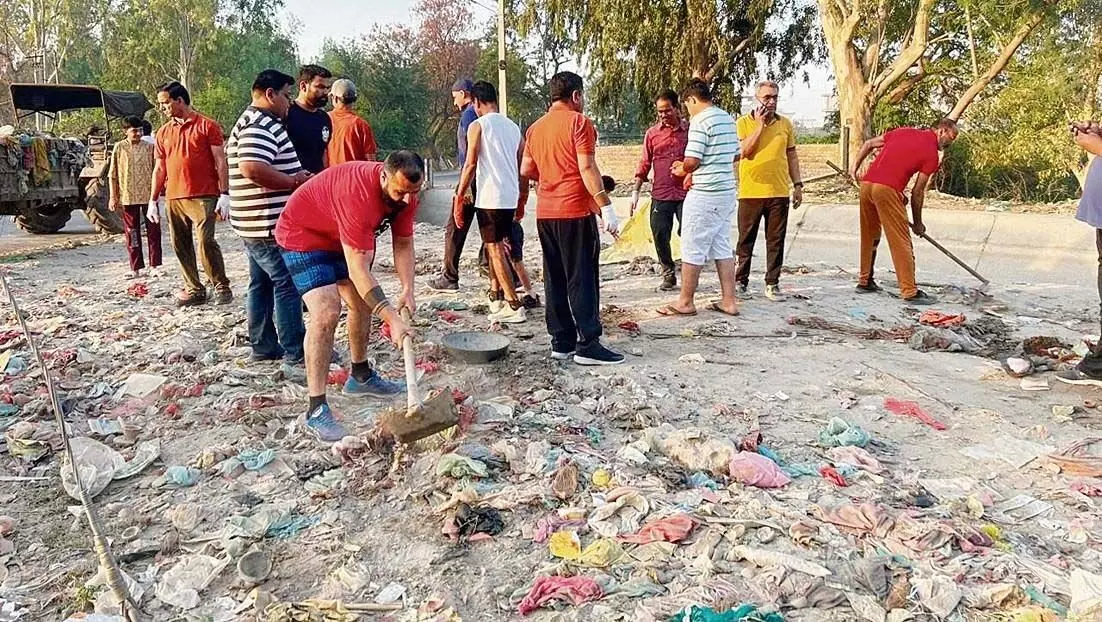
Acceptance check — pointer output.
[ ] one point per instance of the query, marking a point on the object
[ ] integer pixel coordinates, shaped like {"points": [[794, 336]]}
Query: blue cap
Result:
{"points": [[462, 84]]}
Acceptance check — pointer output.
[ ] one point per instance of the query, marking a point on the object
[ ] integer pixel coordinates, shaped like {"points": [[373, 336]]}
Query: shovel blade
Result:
{"points": [[435, 414]]}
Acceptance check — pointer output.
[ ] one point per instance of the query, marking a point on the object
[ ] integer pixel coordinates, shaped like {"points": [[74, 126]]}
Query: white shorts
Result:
{"points": [[706, 226]]}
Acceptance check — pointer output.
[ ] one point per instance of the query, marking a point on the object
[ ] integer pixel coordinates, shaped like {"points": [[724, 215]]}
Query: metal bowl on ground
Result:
{"points": [[476, 346]]}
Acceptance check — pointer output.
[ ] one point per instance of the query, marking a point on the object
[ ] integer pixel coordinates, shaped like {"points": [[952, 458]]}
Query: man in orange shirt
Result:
{"points": [[560, 154], [352, 136], [192, 171]]}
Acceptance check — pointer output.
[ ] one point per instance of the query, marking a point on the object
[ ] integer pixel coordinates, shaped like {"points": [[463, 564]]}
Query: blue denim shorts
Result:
{"points": [[313, 269]]}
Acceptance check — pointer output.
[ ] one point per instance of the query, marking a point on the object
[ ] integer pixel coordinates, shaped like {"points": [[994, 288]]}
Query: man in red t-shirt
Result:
{"points": [[327, 233], [903, 152]]}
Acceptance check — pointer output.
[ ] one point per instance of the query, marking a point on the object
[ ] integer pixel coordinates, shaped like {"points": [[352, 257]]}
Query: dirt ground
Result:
{"points": [[357, 529]]}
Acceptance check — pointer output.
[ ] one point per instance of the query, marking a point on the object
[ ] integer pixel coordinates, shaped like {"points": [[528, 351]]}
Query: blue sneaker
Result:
{"points": [[375, 386], [321, 424]]}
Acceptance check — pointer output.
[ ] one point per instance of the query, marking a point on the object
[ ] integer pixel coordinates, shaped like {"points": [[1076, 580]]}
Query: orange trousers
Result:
{"points": [[882, 208]]}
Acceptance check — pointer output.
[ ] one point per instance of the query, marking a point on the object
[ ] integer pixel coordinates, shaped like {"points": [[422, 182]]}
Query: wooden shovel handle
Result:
{"points": [[413, 395]]}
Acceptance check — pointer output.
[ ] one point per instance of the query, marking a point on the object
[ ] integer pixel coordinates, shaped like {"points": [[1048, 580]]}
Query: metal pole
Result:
{"points": [[502, 99]]}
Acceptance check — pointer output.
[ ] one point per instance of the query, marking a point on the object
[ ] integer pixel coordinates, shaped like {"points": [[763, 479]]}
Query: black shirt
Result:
{"points": [[309, 132]]}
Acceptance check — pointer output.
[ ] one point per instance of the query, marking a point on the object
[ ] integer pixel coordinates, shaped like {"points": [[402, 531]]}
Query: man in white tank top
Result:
{"points": [[494, 149]]}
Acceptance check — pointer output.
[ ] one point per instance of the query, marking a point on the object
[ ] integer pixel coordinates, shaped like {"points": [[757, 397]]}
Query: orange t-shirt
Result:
{"points": [[188, 160], [554, 142], [352, 138]]}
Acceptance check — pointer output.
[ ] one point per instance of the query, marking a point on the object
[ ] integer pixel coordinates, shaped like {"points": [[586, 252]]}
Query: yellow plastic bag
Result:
{"points": [[600, 554], [636, 239]]}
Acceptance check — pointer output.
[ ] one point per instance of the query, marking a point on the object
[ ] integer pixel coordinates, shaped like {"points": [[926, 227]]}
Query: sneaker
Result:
{"points": [[130, 276], [375, 386], [293, 372], [441, 284], [921, 299], [742, 289], [321, 423], [496, 306], [1074, 376], [871, 288], [191, 299], [223, 296], [531, 302], [669, 282], [509, 315], [598, 355], [264, 358], [562, 356], [773, 292]]}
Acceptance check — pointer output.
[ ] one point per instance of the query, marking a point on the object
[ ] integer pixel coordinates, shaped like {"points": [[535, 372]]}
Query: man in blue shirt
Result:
{"points": [[455, 236], [1088, 135]]}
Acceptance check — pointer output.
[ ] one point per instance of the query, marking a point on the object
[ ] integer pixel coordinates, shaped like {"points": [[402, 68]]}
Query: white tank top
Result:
{"points": [[498, 178]]}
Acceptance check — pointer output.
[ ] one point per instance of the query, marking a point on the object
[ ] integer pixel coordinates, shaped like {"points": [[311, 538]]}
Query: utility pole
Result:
{"points": [[501, 89]]}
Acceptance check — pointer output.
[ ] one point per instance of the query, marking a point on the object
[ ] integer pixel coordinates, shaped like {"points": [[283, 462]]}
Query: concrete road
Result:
{"points": [[15, 241]]}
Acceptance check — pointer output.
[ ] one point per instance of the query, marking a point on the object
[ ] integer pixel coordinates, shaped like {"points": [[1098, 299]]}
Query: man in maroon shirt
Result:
{"points": [[663, 145]]}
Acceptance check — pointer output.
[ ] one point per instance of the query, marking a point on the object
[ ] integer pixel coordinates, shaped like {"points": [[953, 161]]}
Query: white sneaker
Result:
{"points": [[773, 292], [496, 306], [562, 356], [509, 315]]}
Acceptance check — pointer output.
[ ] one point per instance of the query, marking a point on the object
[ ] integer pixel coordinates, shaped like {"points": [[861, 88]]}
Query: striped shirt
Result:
{"points": [[714, 141], [258, 137]]}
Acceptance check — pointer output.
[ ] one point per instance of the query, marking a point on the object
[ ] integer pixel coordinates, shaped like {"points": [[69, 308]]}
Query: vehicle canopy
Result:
{"points": [[53, 98]]}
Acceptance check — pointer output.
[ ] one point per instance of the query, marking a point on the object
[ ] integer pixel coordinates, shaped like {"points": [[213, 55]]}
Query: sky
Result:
{"points": [[313, 21]]}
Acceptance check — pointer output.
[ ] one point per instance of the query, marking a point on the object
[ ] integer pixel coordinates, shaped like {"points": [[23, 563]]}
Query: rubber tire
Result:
{"points": [[103, 219], [42, 222]]}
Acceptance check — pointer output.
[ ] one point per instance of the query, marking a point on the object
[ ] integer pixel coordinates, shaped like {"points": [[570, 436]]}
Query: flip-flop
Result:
{"points": [[714, 306], [671, 311]]}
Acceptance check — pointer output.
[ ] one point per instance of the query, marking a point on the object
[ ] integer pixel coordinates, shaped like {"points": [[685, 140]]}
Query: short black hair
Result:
{"points": [[147, 127], [608, 183], [699, 89], [131, 122], [947, 124], [175, 90], [307, 73], [669, 95], [411, 165], [563, 85], [271, 79], [484, 92]]}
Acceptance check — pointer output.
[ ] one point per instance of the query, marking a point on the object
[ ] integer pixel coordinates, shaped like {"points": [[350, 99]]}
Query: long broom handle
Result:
{"points": [[413, 395]]}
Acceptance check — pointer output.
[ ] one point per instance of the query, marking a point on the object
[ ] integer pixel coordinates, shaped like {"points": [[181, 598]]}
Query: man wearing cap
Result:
{"points": [[454, 235], [352, 137]]}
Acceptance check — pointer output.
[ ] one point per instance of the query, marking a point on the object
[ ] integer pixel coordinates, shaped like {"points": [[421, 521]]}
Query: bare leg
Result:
{"points": [[522, 274], [359, 321], [690, 279], [499, 270], [726, 269], [324, 304]]}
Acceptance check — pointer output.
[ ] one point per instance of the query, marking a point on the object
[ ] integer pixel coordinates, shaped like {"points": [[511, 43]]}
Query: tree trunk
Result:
{"points": [[854, 98], [1094, 76]]}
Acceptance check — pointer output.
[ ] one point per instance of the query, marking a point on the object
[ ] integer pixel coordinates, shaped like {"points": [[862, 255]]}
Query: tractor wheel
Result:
{"points": [[95, 208], [50, 219]]}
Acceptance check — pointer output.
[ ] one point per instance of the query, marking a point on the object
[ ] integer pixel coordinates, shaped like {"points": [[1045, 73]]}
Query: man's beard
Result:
{"points": [[395, 206]]}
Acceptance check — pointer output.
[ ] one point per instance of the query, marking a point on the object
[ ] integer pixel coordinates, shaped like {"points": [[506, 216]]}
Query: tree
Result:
{"points": [[447, 50], [884, 50], [649, 46]]}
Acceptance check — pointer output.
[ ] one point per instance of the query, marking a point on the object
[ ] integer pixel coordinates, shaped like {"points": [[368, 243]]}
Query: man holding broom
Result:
{"points": [[328, 232]]}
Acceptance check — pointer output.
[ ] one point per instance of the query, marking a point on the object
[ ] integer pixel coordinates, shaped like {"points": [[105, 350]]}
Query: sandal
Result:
{"points": [[714, 306], [670, 311]]}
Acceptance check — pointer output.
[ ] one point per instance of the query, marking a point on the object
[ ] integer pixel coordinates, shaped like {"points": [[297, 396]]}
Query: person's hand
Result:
{"points": [[634, 202], [399, 329], [687, 184], [797, 197], [458, 202], [115, 204], [518, 215], [301, 177], [678, 169], [612, 224], [153, 212], [222, 208], [406, 302], [918, 228], [906, 199]]}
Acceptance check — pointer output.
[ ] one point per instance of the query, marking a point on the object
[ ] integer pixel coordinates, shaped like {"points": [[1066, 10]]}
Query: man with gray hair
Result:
{"points": [[768, 165], [352, 138]]}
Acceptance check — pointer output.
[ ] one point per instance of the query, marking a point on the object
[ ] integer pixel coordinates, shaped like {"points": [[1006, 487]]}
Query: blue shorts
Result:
{"points": [[313, 269]]}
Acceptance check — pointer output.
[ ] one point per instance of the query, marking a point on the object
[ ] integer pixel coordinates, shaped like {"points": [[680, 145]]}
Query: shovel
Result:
{"points": [[422, 418]]}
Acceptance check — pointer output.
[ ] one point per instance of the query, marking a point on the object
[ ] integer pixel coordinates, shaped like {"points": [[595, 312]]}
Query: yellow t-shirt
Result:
{"points": [[765, 175]]}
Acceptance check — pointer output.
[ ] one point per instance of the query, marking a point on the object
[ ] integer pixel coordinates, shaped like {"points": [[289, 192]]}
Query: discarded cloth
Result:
{"points": [[747, 613], [460, 467], [698, 450], [913, 410], [599, 554], [571, 590], [856, 457], [623, 512], [1086, 595], [474, 520], [839, 433], [673, 529], [833, 476], [860, 519], [756, 470], [943, 320], [566, 517]]}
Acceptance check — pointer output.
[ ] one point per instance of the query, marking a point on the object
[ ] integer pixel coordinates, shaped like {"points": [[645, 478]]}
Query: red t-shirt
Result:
{"points": [[907, 150], [185, 148], [554, 142], [342, 205]]}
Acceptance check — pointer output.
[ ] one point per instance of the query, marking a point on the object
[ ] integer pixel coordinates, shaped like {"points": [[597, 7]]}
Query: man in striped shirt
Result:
{"points": [[264, 169], [709, 209]]}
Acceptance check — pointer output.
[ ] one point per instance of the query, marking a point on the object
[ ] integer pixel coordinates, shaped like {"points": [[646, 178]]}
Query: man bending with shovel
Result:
{"points": [[328, 233]]}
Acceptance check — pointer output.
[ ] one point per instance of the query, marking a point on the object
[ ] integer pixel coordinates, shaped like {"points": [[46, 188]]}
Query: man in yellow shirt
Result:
{"points": [[768, 165]]}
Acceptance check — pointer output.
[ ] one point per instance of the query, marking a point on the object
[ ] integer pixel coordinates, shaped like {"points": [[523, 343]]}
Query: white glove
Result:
{"points": [[223, 207], [612, 225], [634, 201], [153, 214]]}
